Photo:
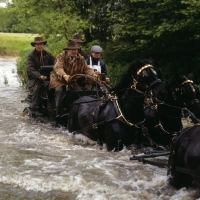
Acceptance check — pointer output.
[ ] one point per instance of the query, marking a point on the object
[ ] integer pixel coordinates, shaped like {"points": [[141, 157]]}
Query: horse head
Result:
{"points": [[149, 78], [143, 77], [187, 94]]}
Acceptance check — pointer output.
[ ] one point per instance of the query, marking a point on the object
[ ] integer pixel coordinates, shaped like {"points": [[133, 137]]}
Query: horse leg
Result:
{"points": [[72, 119], [114, 137]]}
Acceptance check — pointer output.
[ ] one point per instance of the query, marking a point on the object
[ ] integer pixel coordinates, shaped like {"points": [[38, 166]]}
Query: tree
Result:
{"points": [[47, 17], [166, 30]]}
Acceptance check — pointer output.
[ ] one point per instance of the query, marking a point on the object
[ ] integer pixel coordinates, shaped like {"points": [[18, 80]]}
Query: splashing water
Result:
{"points": [[38, 161]]}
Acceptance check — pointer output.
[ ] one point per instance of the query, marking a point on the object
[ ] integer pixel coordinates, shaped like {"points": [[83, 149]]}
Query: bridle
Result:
{"points": [[183, 88], [115, 99], [148, 88], [120, 117], [139, 75]]}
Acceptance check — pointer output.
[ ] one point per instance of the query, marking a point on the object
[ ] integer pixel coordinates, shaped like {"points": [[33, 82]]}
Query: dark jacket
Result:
{"points": [[33, 62], [83, 53], [95, 62]]}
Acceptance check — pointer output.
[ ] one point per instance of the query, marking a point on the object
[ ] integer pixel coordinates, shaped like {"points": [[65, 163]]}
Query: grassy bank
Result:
{"points": [[11, 44]]}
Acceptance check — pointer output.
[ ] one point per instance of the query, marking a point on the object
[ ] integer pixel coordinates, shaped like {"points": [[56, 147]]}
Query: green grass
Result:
{"points": [[11, 44]]}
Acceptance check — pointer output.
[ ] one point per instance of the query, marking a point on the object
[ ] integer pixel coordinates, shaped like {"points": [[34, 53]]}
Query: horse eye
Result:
{"points": [[144, 73], [153, 71], [192, 88]]}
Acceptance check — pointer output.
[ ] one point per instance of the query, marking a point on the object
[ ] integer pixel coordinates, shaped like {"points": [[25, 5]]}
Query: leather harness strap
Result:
{"points": [[120, 118]]}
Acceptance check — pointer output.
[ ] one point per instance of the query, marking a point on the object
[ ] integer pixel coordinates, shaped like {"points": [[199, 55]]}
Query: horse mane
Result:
{"points": [[176, 81], [126, 78]]}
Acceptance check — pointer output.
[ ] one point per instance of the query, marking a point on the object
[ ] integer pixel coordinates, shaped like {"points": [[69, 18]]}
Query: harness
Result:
{"points": [[120, 116]]}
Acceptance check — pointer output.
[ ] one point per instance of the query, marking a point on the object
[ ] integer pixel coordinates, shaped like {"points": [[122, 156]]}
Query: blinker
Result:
{"points": [[141, 69], [153, 71], [144, 73]]}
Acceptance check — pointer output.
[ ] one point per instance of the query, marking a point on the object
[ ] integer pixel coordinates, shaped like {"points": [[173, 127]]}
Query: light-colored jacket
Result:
{"points": [[64, 65]]}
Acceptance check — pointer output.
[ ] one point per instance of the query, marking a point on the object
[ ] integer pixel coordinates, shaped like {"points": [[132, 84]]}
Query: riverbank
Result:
{"points": [[11, 44]]}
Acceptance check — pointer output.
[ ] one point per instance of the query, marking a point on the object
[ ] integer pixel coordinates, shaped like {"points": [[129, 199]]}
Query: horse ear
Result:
{"points": [[150, 61], [191, 76], [160, 75]]}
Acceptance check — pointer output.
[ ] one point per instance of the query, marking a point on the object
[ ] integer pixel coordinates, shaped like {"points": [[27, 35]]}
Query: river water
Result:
{"points": [[38, 161]]}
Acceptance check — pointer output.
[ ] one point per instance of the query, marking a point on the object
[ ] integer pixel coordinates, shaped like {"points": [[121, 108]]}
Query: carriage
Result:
{"points": [[85, 85], [139, 110]]}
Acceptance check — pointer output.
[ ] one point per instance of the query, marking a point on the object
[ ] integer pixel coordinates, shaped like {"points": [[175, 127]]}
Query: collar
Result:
{"points": [[39, 52], [65, 53], [95, 59]]}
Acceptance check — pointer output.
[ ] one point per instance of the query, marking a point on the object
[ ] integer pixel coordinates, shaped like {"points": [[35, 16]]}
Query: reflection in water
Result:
{"points": [[38, 161]]}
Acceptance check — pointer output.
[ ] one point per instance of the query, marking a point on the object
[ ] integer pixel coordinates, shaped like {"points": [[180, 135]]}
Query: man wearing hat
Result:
{"points": [[78, 39], [38, 57], [67, 64], [96, 63]]}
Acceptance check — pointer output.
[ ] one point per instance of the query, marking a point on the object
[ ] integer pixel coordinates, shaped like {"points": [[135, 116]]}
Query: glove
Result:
{"points": [[97, 77], [67, 78]]}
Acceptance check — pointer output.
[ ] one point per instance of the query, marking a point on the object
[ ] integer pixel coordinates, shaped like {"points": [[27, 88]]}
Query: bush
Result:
{"points": [[21, 66]]}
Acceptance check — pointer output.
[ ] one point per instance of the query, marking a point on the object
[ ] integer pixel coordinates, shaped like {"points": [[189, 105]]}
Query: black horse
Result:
{"points": [[188, 93], [184, 160], [117, 120], [165, 119]]}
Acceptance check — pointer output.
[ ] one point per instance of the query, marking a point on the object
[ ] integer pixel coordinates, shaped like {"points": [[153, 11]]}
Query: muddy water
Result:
{"points": [[38, 161]]}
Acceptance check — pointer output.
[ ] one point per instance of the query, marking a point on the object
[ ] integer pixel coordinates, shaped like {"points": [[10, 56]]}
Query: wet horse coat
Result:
{"points": [[184, 160], [182, 99], [185, 155], [117, 120]]}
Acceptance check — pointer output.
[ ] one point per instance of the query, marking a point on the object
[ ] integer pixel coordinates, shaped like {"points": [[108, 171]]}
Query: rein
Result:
{"points": [[110, 96], [120, 116]]}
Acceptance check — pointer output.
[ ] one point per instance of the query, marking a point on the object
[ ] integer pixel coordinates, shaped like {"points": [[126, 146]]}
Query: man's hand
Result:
{"points": [[42, 77], [97, 77], [67, 78], [107, 80]]}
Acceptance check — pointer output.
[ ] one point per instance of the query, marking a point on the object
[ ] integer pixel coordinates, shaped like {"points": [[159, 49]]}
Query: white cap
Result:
{"points": [[96, 48]]}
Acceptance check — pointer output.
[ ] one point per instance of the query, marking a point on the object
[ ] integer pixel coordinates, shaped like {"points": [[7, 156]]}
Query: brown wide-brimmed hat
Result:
{"points": [[71, 45], [38, 40], [77, 38]]}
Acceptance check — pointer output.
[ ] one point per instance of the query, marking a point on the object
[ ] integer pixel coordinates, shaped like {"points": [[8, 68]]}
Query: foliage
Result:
{"points": [[167, 31], [56, 44], [48, 17], [21, 66]]}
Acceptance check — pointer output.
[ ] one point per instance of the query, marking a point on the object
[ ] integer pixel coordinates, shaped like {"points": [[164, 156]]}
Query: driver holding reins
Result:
{"points": [[67, 64]]}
